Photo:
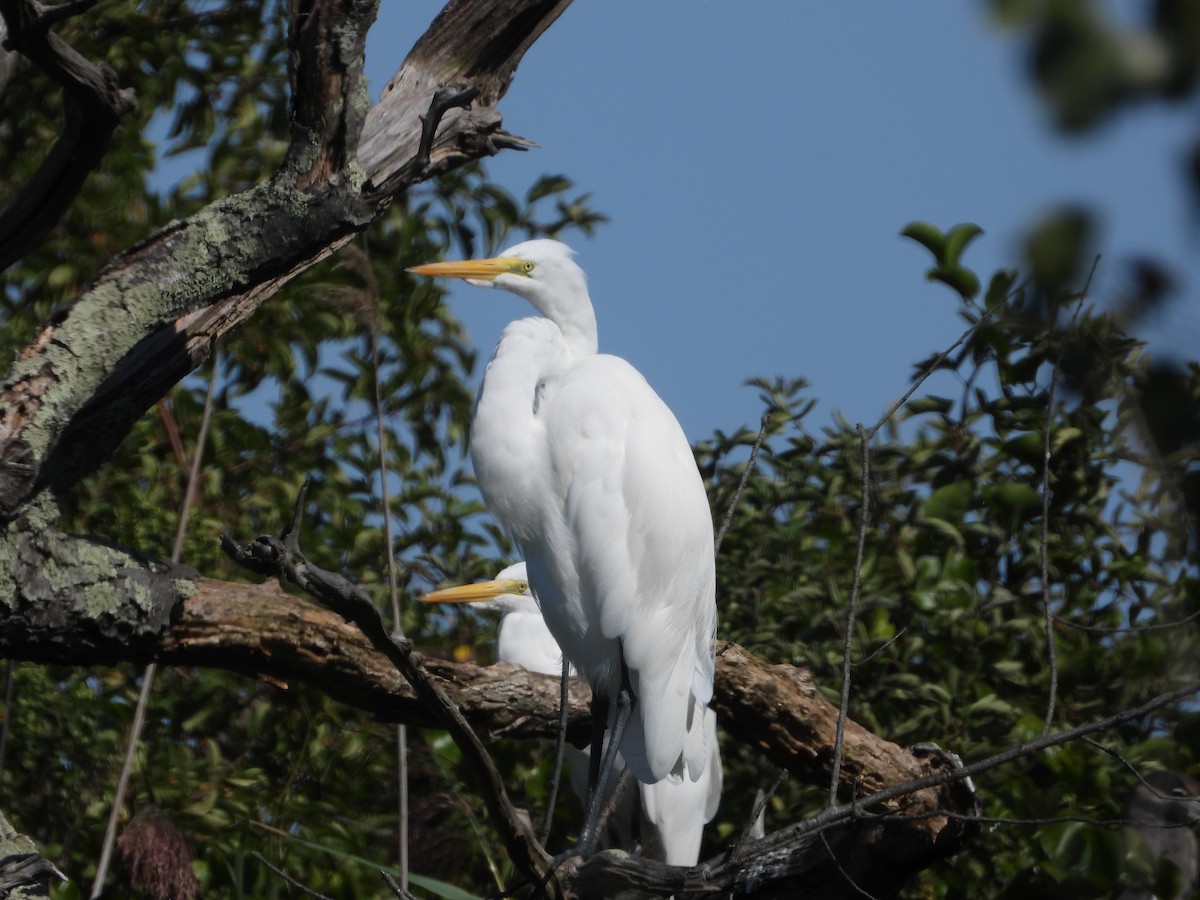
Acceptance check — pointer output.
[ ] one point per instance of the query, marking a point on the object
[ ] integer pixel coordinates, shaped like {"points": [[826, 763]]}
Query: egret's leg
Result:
{"points": [[625, 701], [596, 751], [563, 697]]}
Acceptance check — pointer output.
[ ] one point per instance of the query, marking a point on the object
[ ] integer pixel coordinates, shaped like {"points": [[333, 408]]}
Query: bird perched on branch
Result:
{"points": [[587, 468], [673, 811]]}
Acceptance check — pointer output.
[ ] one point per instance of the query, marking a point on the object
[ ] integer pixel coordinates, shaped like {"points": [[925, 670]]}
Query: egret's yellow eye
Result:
{"points": [[523, 586], [528, 266]]}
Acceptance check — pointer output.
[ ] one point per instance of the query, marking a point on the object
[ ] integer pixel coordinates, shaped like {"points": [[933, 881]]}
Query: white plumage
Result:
{"points": [[674, 810], [591, 474]]}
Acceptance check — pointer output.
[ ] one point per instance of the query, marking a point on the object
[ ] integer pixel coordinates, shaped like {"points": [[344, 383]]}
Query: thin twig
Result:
{"points": [[393, 596], [858, 889], [851, 615], [865, 436], [191, 492], [737, 495], [874, 653], [281, 557], [1131, 768], [1043, 552], [288, 878], [929, 370], [1127, 629], [1044, 549], [396, 888], [760, 805]]}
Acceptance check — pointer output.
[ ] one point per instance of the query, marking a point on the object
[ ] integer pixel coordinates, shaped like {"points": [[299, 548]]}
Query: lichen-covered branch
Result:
{"points": [[153, 314]]}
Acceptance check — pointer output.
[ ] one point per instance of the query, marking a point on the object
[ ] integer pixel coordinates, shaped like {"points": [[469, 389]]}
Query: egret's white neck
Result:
{"points": [[571, 310]]}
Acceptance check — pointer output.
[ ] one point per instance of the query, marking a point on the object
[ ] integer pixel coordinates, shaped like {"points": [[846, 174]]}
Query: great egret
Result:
{"points": [[674, 810], [590, 472]]}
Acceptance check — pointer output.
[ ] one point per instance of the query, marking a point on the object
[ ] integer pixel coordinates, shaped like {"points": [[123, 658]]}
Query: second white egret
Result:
{"points": [[673, 811]]}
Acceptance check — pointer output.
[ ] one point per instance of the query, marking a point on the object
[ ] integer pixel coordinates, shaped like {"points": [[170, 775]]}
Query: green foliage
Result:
{"points": [[298, 393], [949, 643], [1088, 63]]}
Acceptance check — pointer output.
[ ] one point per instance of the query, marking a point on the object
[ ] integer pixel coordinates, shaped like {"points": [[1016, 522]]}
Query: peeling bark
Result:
{"points": [[152, 315]]}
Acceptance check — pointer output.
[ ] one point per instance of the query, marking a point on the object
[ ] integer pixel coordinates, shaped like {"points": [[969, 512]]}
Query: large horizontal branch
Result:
{"points": [[261, 631], [264, 632]]}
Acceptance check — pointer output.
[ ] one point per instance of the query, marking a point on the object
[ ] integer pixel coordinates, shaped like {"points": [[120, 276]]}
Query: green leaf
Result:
{"points": [[1014, 496], [948, 503], [959, 278], [957, 240], [928, 236]]}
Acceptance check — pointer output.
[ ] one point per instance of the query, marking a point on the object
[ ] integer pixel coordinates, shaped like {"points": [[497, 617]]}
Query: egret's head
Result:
{"points": [[542, 271], [509, 592]]}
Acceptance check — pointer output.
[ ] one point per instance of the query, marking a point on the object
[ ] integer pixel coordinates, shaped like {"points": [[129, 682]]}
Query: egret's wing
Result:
{"points": [[637, 519]]}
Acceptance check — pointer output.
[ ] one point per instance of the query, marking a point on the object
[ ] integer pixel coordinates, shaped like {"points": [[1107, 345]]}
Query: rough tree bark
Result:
{"points": [[76, 390]]}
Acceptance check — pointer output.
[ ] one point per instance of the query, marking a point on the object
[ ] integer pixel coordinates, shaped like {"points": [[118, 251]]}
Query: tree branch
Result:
{"points": [[140, 334], [282, 556], [93, 105]]}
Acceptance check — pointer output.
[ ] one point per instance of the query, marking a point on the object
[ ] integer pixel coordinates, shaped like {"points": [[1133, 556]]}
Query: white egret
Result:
{"points": [[587, 468], [674, 810]]}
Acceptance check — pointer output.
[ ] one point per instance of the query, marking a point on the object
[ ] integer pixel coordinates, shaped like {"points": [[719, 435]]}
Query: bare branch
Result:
{"points": [[864, 518], [282, 556], [750, 463]]}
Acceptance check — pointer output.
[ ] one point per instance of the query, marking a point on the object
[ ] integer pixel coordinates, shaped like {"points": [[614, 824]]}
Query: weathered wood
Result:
{"points": [[92, 371]]}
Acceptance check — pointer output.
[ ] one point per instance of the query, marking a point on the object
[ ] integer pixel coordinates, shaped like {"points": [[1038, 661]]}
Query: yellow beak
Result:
{"points": [[472, 269], [476, 593]]}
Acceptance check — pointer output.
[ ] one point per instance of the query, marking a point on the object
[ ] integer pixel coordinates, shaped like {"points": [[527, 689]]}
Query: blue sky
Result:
{"points": [[758, 161]]}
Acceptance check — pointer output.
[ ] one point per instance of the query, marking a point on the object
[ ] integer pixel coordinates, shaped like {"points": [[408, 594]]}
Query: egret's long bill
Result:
{"points": [[477, 593], [475, 269]]}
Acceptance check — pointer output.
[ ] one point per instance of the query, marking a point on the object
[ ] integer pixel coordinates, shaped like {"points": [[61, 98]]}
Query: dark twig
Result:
{"points": [[288, 878], [1127, 629], [1043, 552], [874, 653], [396, 888], [737, 495], [849, 879], [93, 106], [1044, 549], [760, 805], [929, 370], [281, 557], [444, 100], [864, 518]]}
